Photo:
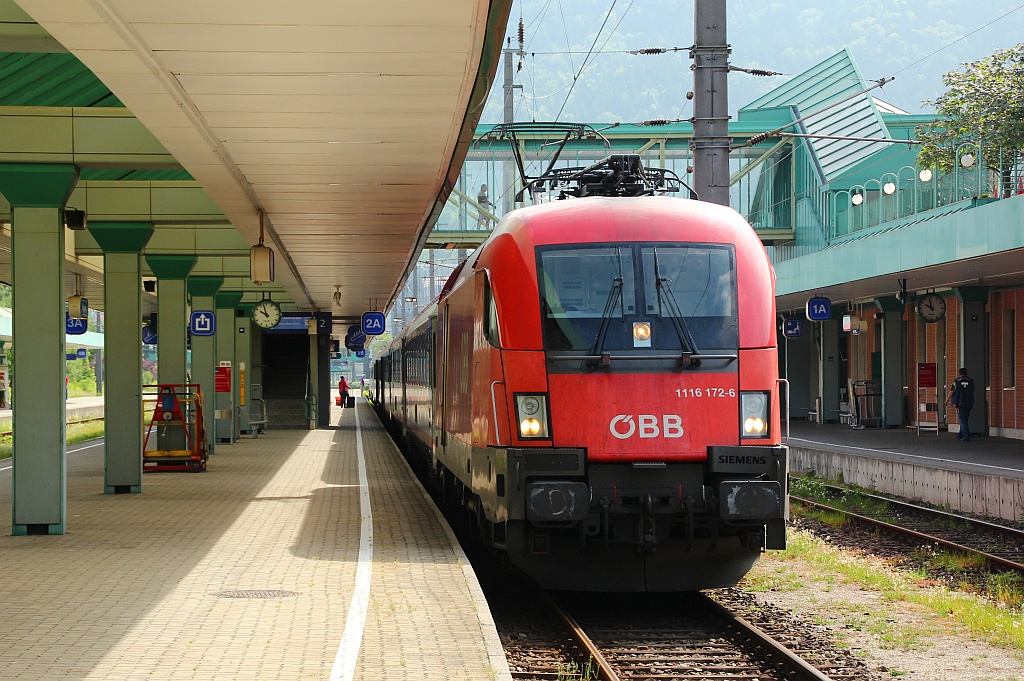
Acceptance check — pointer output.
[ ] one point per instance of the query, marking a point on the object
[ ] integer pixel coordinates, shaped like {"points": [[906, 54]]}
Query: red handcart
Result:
{"points": [[178, 423]]}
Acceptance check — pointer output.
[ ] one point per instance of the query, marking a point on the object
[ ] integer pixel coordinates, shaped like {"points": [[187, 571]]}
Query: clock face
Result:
{"points": [[266, 314], [931, 307]]}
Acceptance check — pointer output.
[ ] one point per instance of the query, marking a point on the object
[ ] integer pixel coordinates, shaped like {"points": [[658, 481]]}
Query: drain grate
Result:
{"points": [[255, 593]]}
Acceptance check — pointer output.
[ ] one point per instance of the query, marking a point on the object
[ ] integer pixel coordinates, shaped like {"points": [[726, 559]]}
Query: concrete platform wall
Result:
{"points": [[976, 493]]}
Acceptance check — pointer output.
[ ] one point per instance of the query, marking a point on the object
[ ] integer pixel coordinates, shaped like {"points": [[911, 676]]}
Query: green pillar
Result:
{"points": [[973, 351], [171, 272], [226, 425], [122, 242], [37, 193], [892, 362], [245, 335], [204, 350]]}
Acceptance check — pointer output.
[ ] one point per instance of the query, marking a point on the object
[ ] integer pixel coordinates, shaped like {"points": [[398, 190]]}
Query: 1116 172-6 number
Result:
{"points": [[705, 392]]}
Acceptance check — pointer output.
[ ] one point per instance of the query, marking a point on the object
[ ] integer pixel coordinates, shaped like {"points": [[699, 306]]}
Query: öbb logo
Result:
{"points": [[623, 426]]}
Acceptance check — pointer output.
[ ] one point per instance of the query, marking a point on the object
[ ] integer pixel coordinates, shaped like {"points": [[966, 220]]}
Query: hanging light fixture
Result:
{"points": [[261, 260]]}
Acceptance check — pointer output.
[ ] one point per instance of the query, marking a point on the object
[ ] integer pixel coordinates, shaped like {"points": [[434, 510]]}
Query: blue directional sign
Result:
{"points": [[148, 335], [373, 323], [793, 328], [819, 309], [82, 353], [70, 356], [74, 327], [360, 353], [202, 323]]}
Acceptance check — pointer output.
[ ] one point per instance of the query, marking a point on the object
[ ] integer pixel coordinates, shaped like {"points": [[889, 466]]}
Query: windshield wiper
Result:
{"points": [[664, 288], [614, 296]]}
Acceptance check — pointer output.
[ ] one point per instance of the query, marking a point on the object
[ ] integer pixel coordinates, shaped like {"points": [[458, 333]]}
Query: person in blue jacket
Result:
{"points": [[961, 396]]}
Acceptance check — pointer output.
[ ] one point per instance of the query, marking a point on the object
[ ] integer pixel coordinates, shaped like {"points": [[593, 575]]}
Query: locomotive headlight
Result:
{"points": [[754, 415], [532, 415], [641, 334]]}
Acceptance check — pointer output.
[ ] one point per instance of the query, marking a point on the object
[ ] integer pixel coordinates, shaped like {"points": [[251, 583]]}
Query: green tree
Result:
{"points": [[983, 104], [378, 344]]}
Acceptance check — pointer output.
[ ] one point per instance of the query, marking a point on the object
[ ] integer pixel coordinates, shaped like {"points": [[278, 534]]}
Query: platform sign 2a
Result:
{"points": [[793, 328], [74, 327], [373, 323], [819, 309]]}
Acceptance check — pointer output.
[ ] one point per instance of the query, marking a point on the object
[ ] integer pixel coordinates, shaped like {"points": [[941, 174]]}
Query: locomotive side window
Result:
{"points": [[491, 329]]}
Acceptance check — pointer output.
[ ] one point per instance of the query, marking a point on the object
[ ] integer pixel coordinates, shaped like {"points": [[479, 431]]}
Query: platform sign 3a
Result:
{"points": [[202, 323], [75, 327], [373, 323], [793, 328], [819, 309]]}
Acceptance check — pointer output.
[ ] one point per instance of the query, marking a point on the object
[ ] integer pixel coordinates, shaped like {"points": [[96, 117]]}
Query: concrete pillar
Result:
{"points": [[892, 362], [37, 193], [226, 429], [204, 351], [829, 376], [973, 351], [314, 380], [171, 272], [122, 242]]}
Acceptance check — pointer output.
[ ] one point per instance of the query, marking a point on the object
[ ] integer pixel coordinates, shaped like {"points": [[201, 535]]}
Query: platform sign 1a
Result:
{"points": [[819, 309], [373, 323], [202, 323], [793, 328], [74, 327]]}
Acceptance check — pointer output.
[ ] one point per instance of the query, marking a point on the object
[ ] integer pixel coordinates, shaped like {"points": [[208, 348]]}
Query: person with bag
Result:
{"points": [[343, 389], [961, 396]]}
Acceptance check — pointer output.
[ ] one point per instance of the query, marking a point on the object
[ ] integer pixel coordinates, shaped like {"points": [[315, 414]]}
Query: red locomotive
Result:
{"points": [[598, 385]]}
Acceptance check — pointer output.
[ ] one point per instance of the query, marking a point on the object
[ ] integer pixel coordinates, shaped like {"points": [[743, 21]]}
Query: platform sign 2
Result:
{"points": [[373, 323], [793, 328], [819, 309], [74, 327]]}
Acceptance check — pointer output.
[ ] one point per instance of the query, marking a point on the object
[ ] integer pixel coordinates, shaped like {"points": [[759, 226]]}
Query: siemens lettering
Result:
{"points": [[751, 460]]}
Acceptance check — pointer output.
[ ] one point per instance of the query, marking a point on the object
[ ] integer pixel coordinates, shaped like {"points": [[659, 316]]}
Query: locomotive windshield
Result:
{"points": [[685, 292]]}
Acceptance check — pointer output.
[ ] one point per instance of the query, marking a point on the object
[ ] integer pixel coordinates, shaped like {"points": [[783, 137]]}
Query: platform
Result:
{"points": [[255, 569], [983, 476]]}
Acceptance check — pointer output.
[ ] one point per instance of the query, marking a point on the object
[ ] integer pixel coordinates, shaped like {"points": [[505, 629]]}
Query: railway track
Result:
{"points": [[1001, 546], [69, 423], [688, 636]]}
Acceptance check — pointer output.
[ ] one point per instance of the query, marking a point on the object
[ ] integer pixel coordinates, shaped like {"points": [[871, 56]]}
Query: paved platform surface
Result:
{"points": [[135, 589], [76, 407], [994, 455]]}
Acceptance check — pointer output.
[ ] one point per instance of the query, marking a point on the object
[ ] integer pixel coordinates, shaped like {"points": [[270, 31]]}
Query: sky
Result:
{"points": [[917, 41]]}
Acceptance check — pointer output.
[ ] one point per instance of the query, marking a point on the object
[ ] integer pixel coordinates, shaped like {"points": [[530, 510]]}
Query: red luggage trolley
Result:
{"points": [[177, 420]]}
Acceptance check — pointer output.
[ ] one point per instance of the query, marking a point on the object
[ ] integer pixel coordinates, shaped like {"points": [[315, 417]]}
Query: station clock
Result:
{"points": [[931, 307], [266, 314]]}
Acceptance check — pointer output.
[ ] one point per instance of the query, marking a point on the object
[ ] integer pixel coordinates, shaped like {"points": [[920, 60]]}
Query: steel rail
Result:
{"points": [[793, 663], [604, 669], [913, 533]]}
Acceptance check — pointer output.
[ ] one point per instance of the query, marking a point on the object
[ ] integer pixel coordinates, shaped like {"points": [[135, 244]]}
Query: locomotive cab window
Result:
{"points": [[638, 298]]}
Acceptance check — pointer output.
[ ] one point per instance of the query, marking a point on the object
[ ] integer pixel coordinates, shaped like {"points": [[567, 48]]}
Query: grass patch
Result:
{"points": [[819, 563], [75, 433], [937, 558]]}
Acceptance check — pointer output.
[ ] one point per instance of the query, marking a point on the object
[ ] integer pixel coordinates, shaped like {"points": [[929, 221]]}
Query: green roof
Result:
{"points": [[50, 79], [827, 83]]}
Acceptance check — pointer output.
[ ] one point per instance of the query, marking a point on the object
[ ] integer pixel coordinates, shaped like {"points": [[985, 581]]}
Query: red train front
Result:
{"points": [[598, 386]]}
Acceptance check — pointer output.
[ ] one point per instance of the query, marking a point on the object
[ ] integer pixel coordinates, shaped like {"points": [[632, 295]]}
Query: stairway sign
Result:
{"points": [[148, 335]]}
